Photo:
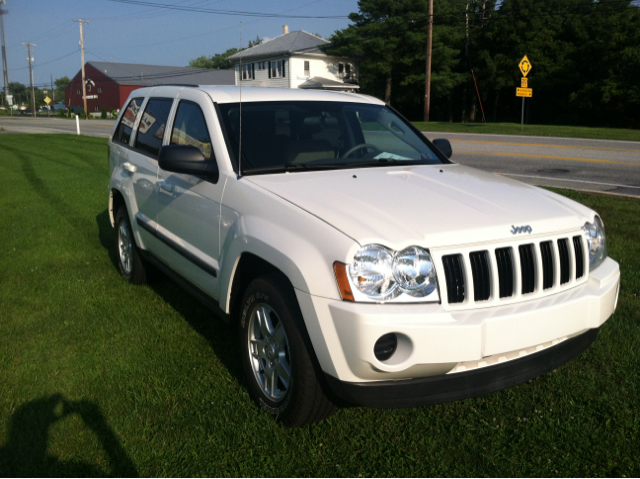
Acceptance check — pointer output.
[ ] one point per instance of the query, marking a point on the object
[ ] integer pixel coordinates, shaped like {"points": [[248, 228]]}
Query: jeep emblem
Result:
{"points": [[520, 229]]}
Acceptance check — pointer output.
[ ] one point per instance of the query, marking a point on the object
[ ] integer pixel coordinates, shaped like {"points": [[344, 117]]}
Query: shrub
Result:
{"points": [[104, 113]]}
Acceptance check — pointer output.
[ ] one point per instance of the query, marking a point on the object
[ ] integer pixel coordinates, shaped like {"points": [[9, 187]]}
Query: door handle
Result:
{"points": [[164, 186], [129, 167]]}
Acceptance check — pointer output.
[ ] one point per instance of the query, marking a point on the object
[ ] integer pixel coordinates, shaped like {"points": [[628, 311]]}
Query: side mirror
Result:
{"points": [[189, 160], [444, 146]]}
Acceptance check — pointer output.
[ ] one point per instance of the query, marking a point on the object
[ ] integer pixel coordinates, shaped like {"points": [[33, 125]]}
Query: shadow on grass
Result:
{"points": [[222, 338], [25, 453], [107, 236]]}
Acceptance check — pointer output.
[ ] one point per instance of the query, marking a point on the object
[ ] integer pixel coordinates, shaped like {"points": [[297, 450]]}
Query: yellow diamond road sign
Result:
{"points": [[48, 100], [525, 66]]}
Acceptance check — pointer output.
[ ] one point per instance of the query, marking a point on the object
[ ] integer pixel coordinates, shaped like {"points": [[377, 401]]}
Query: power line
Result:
{"points": [[212, 32], [50, 61], [177, 7]]}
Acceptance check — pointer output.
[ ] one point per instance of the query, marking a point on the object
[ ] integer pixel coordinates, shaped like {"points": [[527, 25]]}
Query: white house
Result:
{"points": [[295, 60]]}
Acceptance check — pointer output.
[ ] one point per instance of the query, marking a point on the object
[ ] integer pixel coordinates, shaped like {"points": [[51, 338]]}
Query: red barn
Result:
{"points": [[109, 84]]}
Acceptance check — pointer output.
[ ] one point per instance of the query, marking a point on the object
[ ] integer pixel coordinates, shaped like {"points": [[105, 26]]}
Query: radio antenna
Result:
{"points": [[240, 116]]}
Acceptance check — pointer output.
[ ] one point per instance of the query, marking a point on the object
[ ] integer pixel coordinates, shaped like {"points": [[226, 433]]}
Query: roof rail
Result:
{"points": [[173, 84]]}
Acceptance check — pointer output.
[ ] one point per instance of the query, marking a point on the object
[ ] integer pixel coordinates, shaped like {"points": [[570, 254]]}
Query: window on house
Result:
{"points": [[249, 71], [97, 108], [79, 91], [340, 70], [347, 69], [277, 69], [99, 89], [306, 69]]}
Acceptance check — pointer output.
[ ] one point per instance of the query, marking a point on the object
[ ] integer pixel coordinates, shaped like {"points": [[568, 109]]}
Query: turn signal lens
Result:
{"points": [[340, 270]]}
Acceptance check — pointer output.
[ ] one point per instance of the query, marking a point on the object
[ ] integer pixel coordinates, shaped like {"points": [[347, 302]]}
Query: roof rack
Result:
{"points": [[173, 84]]}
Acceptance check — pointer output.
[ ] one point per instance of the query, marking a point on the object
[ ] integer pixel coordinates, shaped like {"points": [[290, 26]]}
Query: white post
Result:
{"points": [[77, 124]]}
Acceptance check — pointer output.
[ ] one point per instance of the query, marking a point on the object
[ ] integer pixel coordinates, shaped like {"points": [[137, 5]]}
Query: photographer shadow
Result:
{"points": [[25, 453]]}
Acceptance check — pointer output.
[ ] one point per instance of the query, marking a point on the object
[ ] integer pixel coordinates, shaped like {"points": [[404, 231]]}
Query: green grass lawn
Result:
{"points": [[531, 130], [102, 378]]}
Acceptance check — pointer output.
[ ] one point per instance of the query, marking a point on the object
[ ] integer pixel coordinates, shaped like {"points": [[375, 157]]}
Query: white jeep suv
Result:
{"points": [[359, 264]]}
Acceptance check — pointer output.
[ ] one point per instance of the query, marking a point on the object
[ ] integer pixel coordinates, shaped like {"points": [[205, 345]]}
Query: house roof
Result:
{"points": [[321, 83], [147, 75], [293, 42]]}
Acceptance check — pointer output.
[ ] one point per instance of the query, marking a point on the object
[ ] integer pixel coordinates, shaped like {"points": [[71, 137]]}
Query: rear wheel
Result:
{"points": [[280, 375], [129, 261]]}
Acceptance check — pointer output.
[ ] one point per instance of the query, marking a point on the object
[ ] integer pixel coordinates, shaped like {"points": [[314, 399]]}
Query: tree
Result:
{"points": [[61, 84], [378, 34], [19, 92], [254, 43], [218, 61], [390, 37], [585, 57]]}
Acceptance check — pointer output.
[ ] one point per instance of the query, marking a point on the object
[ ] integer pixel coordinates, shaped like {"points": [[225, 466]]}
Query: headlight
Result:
{"points": [[380, 274], [596, 241]]}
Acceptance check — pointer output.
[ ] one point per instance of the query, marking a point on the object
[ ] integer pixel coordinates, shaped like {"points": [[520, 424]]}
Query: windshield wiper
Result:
{"points": [[288, 167]]}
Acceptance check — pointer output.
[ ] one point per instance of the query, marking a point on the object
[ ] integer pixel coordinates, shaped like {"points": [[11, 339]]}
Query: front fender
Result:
{"points": [[300, 245]]}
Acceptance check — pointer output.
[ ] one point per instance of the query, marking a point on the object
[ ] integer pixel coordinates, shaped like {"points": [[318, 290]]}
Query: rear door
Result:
{"points": [[189, 207], [148, 138], [138, 172]]}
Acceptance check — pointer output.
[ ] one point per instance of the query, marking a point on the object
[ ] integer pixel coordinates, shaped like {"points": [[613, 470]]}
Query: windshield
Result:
{"points": [[300, 136]]}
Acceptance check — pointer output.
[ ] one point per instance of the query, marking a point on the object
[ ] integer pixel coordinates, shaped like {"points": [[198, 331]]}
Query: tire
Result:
{"points": [[280, 374], [129, 261]]}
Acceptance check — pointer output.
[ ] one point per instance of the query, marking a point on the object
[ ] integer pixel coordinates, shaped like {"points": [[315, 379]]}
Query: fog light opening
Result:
{"points": [[385, 347]]}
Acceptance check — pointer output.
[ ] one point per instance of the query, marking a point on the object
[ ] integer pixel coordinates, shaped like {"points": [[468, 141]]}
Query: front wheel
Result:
{"points": [[280, 375]]}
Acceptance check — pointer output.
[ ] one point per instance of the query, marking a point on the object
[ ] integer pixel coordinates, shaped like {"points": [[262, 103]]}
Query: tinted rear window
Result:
{"points": [[123, 132], [152, 125]]}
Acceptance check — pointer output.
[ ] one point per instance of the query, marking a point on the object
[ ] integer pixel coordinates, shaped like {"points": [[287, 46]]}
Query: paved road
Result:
{"points": [[594, 165], [26, 124]]}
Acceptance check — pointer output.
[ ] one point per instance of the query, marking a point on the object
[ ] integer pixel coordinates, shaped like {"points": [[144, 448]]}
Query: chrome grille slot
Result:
{"points": [[504, 258], [577, 246], [563, 252], [547, 264], [481, 275], [527, 268], [453, 271]]}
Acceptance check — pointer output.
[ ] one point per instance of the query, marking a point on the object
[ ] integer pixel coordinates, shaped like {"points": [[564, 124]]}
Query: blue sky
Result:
{"points": [[121, 32]]}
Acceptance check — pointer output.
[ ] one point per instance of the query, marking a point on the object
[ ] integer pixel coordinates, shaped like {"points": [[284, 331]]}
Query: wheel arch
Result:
{"points": [[249, 266], [116, 200]]}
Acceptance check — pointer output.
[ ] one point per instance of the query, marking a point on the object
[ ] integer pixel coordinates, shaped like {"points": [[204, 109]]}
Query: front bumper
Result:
{"points": [[434, 341], [454, 387]]}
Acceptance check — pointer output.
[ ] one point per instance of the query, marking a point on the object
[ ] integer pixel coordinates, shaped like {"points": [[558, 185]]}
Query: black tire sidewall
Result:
{"points": [[263, 290], [137, 274]]}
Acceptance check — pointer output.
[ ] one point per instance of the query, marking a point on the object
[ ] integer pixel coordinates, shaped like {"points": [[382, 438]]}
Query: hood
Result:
{"points": [[431, 206]]}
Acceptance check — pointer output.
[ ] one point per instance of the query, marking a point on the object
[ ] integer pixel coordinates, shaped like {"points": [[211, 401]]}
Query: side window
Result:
{"points": [[152, 125], [123, 132], [190, 128]]}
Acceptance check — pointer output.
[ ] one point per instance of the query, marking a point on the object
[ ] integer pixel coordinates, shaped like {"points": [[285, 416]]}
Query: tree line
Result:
{"points": [[585, 58]]}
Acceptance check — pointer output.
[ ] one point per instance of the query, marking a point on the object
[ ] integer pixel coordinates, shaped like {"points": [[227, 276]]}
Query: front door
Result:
{"points": [[189, 207]]}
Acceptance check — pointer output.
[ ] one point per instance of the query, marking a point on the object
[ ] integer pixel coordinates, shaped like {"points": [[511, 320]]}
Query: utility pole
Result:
{"points": [[427, 87], [4, 52], [33, 96], [84, 86]]}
